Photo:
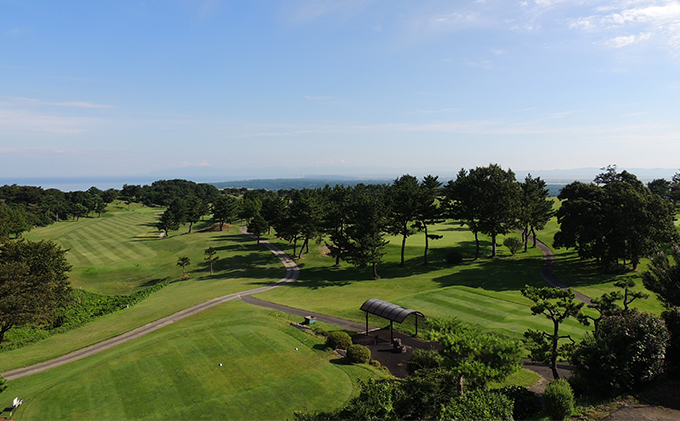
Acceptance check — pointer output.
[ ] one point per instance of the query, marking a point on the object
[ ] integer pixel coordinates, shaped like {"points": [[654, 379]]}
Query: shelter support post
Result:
{"points": [[391, 331], [366, 323]]}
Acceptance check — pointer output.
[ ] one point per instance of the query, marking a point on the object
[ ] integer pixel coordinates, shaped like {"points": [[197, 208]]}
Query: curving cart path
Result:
{"points": [[547, 268], [292, 273]]}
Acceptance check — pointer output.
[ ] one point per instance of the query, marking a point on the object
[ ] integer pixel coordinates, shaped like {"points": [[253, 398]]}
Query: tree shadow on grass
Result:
{"points": [[156, 281]]}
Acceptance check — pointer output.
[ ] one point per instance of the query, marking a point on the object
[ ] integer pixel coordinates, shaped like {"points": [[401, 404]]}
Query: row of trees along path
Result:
{"points": [[292, 274]]}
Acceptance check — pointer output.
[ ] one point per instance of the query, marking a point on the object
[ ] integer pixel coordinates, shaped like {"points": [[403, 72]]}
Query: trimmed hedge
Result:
{"points": [[358, 354], [338, 339]]}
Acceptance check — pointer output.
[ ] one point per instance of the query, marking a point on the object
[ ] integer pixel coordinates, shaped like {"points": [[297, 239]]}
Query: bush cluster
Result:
{"points": [[559, 399], [338, 340], [358, 354], [480, 404], [625, 352], [424, 359], [526, 403], [672, 319], [83, 307]]}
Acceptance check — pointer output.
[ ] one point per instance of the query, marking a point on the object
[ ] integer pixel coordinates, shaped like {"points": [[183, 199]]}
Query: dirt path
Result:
{"points": [[292, 273]]}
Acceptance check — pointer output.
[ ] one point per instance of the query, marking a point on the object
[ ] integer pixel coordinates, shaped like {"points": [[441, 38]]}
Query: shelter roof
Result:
{"points": [[387, 310]]}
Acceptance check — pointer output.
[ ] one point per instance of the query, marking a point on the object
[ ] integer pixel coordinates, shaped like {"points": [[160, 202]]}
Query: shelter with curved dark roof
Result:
{"points": [[389, 311]]}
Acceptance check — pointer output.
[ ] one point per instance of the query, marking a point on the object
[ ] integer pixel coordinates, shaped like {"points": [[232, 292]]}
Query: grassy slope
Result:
{"points": [[174, 373], [242, 265]]}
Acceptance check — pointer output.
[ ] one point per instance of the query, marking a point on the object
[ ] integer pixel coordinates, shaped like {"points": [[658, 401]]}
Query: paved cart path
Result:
{"points": [[292, 273], [547, 269]]}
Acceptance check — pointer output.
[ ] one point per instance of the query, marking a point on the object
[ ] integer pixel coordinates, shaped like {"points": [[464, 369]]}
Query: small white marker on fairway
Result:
{"points": [[296, 349], [220, 364]]}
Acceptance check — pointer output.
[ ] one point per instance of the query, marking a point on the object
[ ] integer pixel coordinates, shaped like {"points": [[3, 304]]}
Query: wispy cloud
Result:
{"points": [[75, 104]]}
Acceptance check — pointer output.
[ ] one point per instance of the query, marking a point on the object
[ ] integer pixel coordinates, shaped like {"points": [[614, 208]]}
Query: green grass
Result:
{"points": [[174, 373], [484, 292]]}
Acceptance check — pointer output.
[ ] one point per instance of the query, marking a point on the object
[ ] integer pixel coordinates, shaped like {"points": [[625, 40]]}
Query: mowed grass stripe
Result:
{"points": [[492, 314], [85, 255]]}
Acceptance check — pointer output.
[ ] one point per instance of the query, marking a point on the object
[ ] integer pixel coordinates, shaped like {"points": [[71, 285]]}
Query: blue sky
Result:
{"points": [[120, 88]]}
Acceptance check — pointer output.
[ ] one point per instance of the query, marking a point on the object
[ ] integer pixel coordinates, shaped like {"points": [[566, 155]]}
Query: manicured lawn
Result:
{"points": [[174, 373], [484, 291]]}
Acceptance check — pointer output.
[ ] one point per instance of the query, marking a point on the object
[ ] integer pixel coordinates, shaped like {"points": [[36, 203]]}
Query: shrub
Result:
{"points": [[513, 244], [478, 405], [318, 330], [625, 352], [338, 339], [454, 257], [358, 354], [672, 319], [559, 399], [424, 359], [525, 402]]}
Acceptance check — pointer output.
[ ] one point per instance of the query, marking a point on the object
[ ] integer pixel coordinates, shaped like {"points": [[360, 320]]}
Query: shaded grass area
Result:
{"points": [[174, 373]]}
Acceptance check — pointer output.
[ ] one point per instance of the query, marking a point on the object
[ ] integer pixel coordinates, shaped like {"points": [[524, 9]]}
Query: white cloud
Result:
{"points": [[652, 18], [623, 41]]}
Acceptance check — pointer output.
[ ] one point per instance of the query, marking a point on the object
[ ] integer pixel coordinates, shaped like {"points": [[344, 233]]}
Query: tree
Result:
{"points": [[487, 200], [663, 277], [364, 234], [614, 218], [428, 211], [403, 196], [257, 226], [336, 219], [557, 305], [606, 304], [183, 262], [210, 257], [536, 208], [168, 221], [195, 209], [225, 209], [33, 283]]}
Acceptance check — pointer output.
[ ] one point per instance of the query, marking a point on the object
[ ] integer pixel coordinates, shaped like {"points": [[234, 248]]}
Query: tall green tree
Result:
{"points": [[369, 221], [210, 257], [487, 200], [225, 209], [663, 277], [428, 211], [535, 209], [33, 283], [183, 262], [615, 218], [404, 200], [257, 226], [556, 305], [336, 219]]}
